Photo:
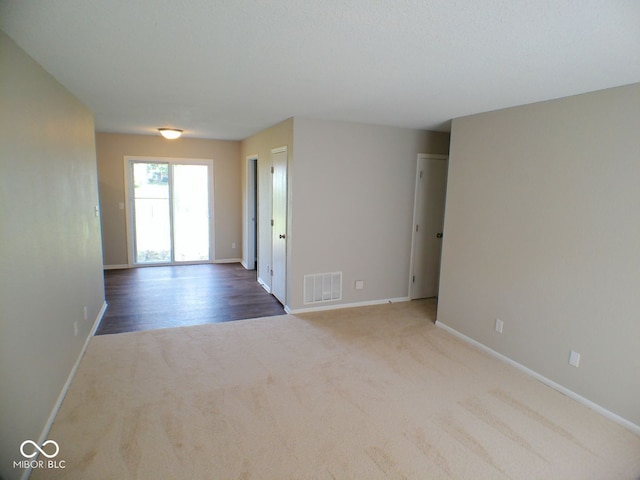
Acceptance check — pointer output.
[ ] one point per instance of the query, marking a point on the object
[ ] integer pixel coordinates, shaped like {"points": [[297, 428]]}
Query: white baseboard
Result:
{"points": [[228, 260], [115, 267], [347, 305], [244, 264], [96, 323], [556, 386], [264, 285], [63, 393], [220, 260]]}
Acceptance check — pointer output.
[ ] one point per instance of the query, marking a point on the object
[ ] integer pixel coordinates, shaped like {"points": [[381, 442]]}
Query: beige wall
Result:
{"points": [[260, 146], [542, 230], [50, 255], [111, 150], [352, 210]]}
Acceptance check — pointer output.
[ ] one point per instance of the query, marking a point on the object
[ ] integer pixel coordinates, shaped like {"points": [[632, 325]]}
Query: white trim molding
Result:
{"points": [[264, 285], [227, 260], [347, 305], [550, 383], [115, 267]]}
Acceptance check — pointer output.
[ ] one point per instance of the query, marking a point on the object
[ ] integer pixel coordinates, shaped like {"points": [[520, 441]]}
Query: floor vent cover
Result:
{"points": [[322, 287]]}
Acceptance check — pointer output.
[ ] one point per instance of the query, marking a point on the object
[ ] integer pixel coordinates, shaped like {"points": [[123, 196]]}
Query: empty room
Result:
{"points": [[319, 240]]}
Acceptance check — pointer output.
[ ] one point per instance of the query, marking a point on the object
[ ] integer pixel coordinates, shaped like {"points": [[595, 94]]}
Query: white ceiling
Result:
{"points": [[229, 68]]}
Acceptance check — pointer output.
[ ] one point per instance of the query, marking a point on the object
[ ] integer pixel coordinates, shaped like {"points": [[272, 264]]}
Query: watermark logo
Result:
{"points": [[37, 449], [30, 449]]}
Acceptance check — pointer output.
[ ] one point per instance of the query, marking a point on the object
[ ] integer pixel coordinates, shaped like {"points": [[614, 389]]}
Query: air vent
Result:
{"points": [[322, 287]]}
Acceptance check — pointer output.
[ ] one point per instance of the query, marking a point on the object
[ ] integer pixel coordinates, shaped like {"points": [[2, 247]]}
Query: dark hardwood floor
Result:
{"points": [[159, 297]]}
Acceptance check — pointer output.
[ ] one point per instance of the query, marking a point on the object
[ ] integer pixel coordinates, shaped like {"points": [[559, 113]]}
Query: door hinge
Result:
{"points": [[271, 169], [272, 222], [271, 272], [417, 227], [420, 173], [414, 279]]}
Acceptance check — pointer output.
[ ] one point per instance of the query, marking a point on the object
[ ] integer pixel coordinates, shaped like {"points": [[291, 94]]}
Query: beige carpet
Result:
{"points": [[366, 393]]}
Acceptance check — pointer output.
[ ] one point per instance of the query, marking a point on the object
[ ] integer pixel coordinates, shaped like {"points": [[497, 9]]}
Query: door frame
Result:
{"points": [[421, 156], [129, 207]]}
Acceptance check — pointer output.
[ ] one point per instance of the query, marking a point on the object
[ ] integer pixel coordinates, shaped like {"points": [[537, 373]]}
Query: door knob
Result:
{"points": [[438, 235], [281, 236]]}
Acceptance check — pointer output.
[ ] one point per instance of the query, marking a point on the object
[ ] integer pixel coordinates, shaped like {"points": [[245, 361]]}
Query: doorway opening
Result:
{"points": [[250, 260], [168, 211]]}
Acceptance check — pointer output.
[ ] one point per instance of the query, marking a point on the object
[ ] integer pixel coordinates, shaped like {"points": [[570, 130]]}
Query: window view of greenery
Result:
{"points": [[157, 173]]}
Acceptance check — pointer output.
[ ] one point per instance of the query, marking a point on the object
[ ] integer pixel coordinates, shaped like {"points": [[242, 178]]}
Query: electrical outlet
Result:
{"points": [[359, 284], [499, 325], [75, 329], [85, 313], [233, 245], [574, 359]]}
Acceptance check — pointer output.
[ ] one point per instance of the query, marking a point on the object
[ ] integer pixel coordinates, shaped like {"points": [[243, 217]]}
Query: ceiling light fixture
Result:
{"points": [[170, 133]]}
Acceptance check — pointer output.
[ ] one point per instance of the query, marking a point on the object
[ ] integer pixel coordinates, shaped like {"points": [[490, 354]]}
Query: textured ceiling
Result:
{"points": [[230, 68]]}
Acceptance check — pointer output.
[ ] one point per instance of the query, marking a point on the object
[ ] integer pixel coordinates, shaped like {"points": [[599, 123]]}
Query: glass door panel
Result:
{"points": [[152, 216], [191, 212]]}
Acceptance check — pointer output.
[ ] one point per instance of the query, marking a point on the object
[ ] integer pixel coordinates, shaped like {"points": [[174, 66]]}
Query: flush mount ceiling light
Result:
{"points": [[170, 133]]}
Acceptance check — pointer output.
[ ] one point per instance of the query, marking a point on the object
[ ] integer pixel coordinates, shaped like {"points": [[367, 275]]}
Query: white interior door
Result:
{"points": [[428, 222], [279, 224]]}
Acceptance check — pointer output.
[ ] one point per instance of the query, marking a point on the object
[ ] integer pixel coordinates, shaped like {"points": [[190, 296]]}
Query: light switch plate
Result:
{"points": [[574, 359]]}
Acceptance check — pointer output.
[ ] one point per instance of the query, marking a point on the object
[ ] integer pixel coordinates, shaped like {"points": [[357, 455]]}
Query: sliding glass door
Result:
{"points": [[169, 204]]}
